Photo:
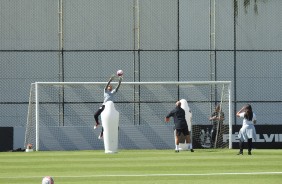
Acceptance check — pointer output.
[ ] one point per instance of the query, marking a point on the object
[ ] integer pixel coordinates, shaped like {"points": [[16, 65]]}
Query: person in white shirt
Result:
{"points": [[248, 131], [109, 94]]}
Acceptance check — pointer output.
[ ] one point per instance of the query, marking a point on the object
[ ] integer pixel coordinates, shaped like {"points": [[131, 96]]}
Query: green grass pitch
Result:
{"points": [[212, 166]]}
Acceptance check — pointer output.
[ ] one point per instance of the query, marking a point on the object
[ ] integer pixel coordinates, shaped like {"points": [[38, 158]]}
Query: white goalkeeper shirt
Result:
{"points": [[248, 129], [247, 122], [109, 95]]}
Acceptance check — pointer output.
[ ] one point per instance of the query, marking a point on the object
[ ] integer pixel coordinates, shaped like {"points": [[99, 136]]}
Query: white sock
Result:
{"points": [[191, 147], [176, 147]]}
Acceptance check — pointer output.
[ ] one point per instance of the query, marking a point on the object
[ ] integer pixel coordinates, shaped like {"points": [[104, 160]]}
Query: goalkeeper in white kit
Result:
{"points": [[109, 94]]}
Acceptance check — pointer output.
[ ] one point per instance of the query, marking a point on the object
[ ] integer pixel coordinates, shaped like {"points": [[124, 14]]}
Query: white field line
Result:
{"points": [[150, 175]]}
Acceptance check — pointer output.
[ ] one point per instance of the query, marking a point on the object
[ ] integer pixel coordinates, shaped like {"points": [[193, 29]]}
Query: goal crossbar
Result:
{"points": [[140, 83]]}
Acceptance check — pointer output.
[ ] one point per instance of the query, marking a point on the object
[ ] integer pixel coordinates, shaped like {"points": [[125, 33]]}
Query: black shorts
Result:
{"points": [[184, 131]]}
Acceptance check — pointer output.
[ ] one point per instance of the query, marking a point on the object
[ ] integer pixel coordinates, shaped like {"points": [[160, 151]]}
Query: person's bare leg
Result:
{"points": [[176, 143], [189, 144]]}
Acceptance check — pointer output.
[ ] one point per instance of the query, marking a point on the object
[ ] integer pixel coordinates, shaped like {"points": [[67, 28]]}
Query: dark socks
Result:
{"points": [[241, 147], [250, 145]]}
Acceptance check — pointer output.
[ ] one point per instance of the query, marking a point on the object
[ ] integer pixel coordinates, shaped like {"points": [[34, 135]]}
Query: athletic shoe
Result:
{"points": [[240, 153], [249, 153], [191, 150], [97, 124], [176, 151], [100, 136]]}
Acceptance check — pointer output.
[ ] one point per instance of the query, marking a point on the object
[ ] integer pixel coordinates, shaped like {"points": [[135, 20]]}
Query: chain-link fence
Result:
{"points": [[151, 40]]}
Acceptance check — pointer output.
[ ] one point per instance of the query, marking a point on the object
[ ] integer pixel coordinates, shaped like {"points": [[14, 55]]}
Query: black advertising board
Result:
{"points": [[268, 136], [6, 138]]}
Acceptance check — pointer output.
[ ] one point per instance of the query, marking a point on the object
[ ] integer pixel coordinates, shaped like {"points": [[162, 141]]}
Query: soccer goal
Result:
{"points": [[61, 114]]}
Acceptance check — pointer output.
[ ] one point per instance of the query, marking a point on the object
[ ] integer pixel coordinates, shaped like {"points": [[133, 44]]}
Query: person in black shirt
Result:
{"points": [[180, 125]]}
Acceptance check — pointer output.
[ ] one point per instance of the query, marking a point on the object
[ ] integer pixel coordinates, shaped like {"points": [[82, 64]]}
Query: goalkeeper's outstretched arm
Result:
{"points": [[119, 82], [109, 82]]}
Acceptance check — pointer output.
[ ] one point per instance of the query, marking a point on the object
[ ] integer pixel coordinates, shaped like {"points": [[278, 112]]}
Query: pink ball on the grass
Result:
{"points": [[48, 180]]}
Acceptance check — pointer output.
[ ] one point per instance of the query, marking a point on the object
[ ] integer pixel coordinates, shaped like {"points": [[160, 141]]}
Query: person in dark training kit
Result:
{"points": [[217, 119], [109, 94], [180, 125]]}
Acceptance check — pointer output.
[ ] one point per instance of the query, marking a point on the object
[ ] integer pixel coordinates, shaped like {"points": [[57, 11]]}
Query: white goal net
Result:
{"points": [[61, 114]]}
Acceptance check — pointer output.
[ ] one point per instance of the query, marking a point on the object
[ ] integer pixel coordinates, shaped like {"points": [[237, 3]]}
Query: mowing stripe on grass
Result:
{"points": [[152, 175]]}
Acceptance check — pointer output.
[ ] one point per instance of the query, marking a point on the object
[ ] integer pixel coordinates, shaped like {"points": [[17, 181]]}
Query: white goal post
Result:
{"points": [[60, 114]]}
